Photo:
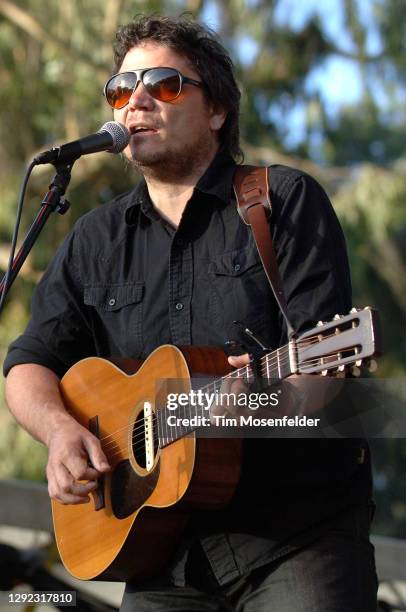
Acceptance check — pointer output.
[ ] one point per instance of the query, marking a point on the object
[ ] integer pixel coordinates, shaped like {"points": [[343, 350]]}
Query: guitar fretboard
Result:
{"points": [[335, 345], [271, 368]]}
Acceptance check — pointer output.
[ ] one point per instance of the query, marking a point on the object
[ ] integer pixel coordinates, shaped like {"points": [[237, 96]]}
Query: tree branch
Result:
{"points": [[32, 27], [357, 57]]}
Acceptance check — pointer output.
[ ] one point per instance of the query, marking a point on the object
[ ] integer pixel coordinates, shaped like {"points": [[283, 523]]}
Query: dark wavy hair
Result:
{"points": [[201, 46]]}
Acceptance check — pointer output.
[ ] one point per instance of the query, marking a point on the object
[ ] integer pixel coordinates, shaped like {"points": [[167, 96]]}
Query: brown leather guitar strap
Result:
{"points": [[251, 187]]}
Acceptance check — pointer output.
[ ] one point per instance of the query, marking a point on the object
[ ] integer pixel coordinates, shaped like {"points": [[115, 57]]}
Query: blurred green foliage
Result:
{"points": [[53, 64]]}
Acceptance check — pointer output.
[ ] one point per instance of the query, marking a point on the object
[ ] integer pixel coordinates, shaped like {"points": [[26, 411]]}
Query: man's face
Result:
{"points": [[182, 130]]}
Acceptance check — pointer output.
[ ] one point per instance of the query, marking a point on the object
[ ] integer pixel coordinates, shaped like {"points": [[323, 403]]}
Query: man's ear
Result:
{"points": [[217, 116]]}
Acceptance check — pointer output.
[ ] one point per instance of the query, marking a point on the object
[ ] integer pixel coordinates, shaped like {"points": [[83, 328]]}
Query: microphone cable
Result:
{"points": [[4, 284]]}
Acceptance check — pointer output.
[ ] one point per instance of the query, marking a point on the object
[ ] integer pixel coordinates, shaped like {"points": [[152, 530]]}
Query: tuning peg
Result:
{"points": [[341, 368], [358, 362], [372, 365], [355, 371], [337, 316], [324, 372], [354, 310], [320, 323]]}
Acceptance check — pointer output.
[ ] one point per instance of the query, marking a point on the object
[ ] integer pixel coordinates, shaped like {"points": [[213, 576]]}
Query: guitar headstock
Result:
{"points": [[347, 340]]}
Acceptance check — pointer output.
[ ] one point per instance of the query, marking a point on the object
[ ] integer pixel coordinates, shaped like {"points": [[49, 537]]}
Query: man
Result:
{"points": [[171, 262]]}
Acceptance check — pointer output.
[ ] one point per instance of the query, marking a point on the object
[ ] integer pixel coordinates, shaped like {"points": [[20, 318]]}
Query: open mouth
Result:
{"points": [[141, 129]]}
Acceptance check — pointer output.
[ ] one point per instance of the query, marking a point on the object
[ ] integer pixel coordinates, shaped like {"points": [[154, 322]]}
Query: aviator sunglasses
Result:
{"points": [[164, 84]]}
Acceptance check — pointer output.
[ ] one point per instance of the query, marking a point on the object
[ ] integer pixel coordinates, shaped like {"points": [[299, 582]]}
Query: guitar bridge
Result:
{"points": [[148, 436]]}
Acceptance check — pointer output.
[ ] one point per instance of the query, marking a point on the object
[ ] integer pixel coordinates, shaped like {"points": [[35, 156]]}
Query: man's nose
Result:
{"points": [[140, 98]]}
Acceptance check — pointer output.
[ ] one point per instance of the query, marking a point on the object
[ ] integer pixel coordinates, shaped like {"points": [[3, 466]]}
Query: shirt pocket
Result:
{"points": [[118, 316], [235, 263]]}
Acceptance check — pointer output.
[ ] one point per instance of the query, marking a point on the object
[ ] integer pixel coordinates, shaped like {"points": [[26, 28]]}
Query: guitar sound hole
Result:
{"points": [[139, 441]]}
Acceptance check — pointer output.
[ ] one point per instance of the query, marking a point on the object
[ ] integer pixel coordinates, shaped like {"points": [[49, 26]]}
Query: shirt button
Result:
{"points": [[237, 267], [112, 301], [179, 306]]}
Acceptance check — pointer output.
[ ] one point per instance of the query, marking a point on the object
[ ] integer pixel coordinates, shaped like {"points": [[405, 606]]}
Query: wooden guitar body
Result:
{"points": [[135, 517], [133, 521]]}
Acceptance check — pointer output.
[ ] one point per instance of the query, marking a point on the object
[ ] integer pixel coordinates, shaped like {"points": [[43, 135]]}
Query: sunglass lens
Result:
{"points": [[162, 83], [120, 88]]}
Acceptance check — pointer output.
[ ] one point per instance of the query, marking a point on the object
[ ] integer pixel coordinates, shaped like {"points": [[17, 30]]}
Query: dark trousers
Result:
{"points": [[334, 573]]}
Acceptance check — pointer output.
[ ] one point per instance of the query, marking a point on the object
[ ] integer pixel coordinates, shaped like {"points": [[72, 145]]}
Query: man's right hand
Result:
{"points": [[75, 459], [75, 456]]}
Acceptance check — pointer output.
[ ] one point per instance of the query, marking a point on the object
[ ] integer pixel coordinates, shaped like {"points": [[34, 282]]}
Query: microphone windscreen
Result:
{"points": [[119, 133]]}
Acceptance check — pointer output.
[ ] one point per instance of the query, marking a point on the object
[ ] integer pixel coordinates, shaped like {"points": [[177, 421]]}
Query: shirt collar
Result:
{"points": [[139, 200], [218, 178], [216, 181]]}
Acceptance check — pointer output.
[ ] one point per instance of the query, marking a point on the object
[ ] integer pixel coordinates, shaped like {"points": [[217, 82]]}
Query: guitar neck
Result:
{"points": [[330, 346], [271, 368]]}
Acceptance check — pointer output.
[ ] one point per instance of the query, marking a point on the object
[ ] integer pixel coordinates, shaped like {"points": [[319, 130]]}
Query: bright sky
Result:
{"points": [[337, 80]]}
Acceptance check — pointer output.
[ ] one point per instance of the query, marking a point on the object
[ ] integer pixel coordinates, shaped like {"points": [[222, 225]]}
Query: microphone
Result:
{"points": [[112, 137]]}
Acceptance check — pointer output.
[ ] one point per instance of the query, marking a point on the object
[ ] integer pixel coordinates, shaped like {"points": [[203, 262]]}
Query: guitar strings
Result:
{"points": [[218, 382], [235, 374], [138, 438], [141, 434], [267, 359], [141, 441], [139, 426]]}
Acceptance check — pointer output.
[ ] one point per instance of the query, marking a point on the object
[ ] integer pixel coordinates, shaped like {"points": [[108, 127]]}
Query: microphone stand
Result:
{"points": [[53, 201]]}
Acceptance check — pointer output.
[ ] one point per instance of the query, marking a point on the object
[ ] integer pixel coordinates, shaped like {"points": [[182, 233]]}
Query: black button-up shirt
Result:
{"points": [[126, 281]]}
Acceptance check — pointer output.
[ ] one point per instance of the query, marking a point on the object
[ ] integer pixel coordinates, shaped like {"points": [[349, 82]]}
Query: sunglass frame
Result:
{"points": [[140, 79]]}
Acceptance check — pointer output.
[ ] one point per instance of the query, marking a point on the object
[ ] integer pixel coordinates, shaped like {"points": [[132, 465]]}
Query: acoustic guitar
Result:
{"points": [[160, 473]]}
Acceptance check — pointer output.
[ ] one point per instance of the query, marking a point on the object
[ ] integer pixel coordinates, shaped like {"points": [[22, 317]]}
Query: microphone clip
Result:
{"points": [[54, 199]]}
